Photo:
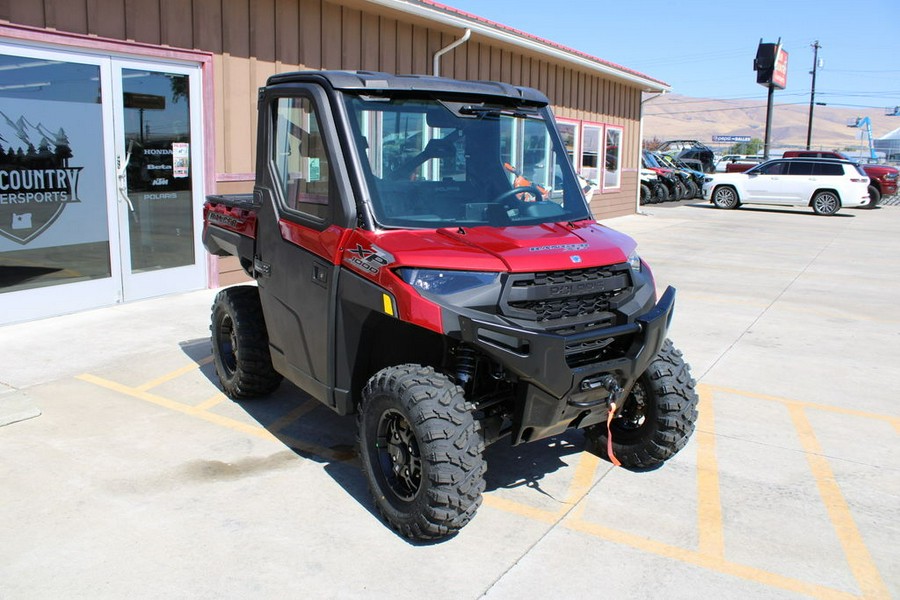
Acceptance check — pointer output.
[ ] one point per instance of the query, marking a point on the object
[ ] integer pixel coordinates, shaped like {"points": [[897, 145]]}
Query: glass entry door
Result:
{"points": [[158, 181], [101, 189]]}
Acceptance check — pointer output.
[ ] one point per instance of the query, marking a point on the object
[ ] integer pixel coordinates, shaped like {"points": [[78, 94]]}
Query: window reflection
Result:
{"points": [[157, 138]]}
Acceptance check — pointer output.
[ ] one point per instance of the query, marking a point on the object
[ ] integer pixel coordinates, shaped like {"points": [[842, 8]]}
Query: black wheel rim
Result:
{"points": [[226, 342], [397, 455]]}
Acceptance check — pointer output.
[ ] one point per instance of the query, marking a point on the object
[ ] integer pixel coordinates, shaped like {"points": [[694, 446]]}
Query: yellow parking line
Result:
{"points": [[523, 510], [174, 374], [709, 503], [706, 561], [213, 400], [710, 554], [585, 470], [254, 430], [221, 420], [855, 550], [292, 416], [803, 404]]}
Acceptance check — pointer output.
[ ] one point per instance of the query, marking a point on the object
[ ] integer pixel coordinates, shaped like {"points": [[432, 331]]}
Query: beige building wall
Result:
{"points": [[253, 39]]}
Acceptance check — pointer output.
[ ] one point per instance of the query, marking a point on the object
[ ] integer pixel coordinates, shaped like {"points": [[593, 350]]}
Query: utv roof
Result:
{"points": [[375, 82]]}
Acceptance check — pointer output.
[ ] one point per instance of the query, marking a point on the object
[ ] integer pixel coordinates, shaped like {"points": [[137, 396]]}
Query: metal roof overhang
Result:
{"points": [[434, 13]]}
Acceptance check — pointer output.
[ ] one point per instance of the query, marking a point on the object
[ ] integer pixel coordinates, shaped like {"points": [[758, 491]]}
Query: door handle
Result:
{"points": [[122, 177], [320, 275]]}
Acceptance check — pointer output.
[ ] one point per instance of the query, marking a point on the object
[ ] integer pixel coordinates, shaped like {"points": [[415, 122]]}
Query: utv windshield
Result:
{"points": [[433, 163]]}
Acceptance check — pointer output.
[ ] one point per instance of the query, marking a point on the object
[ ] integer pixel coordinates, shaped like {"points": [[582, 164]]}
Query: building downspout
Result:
{"points": [[640, 162], [437, 55]]}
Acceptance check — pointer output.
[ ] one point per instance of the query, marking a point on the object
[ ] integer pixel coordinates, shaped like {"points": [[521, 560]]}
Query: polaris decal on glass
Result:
{"points": [[370, 260], [37, 180]]}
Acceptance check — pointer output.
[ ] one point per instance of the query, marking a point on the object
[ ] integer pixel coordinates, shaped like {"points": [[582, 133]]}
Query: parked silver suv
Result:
{"points": [[823, 184]]}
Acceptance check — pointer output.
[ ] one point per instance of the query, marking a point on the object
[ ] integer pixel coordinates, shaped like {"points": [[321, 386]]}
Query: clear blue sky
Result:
{"points": [[705, 48]]}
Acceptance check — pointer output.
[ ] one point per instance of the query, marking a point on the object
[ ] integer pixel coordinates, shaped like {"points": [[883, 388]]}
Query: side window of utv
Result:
{"points": [[300, 160]]}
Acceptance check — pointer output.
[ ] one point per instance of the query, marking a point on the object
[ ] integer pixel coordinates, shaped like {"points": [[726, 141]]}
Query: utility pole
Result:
{"points": [[812, 92]]}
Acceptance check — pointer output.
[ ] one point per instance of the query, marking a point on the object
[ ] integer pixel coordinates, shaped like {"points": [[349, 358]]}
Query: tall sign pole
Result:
{"points": [[769, 104], [770, 65], [812, 92]]}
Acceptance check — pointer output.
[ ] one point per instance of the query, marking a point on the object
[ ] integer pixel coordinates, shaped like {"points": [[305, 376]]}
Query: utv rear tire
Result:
{"points": [[240, 344], [421, 451], [660, 194], [657, 418], [645, 193], [693, 190], [874, 197]]}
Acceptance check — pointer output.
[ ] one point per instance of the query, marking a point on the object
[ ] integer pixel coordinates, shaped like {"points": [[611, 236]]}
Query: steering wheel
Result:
{"points": [[522, 189]]}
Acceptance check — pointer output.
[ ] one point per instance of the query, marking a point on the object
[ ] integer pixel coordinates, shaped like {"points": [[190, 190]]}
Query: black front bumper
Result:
{"points": [[555, 395]]}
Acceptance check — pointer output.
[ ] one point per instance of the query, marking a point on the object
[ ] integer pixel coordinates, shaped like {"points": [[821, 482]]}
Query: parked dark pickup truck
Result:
{"points": [[425, 258]]}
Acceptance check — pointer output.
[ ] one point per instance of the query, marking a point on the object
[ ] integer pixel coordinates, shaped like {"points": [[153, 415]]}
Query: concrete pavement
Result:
{"points": [[139, 478]]}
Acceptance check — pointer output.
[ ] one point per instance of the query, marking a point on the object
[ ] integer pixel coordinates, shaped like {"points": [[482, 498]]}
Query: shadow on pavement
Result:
{"points": [[314, 432]]}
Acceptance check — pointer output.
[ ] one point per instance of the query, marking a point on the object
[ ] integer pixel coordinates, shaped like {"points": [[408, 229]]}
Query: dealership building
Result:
{"points": [[118, 117]]}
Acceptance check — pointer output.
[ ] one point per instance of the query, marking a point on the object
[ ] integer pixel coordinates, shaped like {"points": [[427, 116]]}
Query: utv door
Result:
{"points": [[301, 222]]}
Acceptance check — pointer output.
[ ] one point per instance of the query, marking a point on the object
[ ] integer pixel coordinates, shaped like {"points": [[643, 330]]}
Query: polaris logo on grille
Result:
{"points": [[574, 289]]}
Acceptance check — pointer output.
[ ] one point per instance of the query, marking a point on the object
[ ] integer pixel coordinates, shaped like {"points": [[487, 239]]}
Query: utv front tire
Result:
{"points": [[657, 418], [421, 451], [240, 344]]}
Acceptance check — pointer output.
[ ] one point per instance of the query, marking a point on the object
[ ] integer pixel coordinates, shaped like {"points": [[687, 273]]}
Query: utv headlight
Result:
{"points": [[635, 262], [446, 282]]}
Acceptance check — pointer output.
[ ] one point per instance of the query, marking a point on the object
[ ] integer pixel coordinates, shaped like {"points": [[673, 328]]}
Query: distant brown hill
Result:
{"points": [[673, 116]]}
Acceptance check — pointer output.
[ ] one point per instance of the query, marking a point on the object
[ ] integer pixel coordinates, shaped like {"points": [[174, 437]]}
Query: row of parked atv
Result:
{"points": [[665, 178]]}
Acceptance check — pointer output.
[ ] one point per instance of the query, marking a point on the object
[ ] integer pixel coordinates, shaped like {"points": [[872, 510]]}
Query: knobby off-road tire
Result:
{"points": [[645, 193], [421, 451], [658, 416], [660, 194], [241, 345], [693, 190]]}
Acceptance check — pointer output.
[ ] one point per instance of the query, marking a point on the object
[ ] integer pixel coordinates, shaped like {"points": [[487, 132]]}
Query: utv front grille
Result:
{"points": [[559, 299]]}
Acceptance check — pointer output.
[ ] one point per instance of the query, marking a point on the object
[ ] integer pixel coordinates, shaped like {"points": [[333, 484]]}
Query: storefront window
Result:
{"points": [[590, 154], [612, 169], [53, 207], [569, 133]]}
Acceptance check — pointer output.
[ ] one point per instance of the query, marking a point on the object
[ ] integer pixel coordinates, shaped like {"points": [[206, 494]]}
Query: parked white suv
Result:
{"points": [[823, 184]]}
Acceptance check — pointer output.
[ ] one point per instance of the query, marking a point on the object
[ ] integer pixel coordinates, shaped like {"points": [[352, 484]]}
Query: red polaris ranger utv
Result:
{"points": [[425, 258]]}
